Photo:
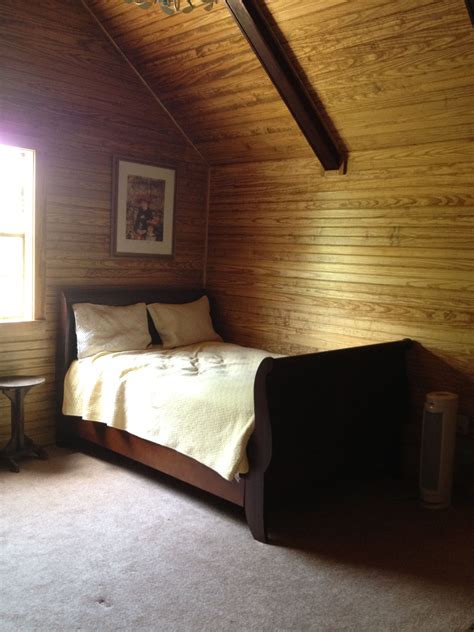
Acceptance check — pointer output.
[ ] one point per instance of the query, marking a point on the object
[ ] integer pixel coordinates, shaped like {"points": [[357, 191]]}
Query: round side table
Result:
{"points": [[16, 388]]}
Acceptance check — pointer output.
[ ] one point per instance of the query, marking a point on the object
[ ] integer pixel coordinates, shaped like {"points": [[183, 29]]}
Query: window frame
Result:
{"points": [[37, 324]]}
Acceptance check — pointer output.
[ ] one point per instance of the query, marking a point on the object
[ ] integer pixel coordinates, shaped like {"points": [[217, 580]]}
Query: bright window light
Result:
{"points": [[17, 229]]}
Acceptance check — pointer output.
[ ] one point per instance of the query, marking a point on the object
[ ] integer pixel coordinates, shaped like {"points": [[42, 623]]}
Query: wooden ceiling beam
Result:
{"points": [[275, 62], [470, 9]]}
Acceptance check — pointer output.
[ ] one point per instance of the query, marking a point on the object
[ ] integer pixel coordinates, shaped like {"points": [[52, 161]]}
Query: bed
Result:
{"points": [[317, 417]]}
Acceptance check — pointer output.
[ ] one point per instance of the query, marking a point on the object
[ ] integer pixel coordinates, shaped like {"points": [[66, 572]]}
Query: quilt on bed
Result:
{"points": [[196, 399]]}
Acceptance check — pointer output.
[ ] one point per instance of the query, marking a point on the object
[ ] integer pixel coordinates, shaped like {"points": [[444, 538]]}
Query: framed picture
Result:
{"points": [[143, 209]]}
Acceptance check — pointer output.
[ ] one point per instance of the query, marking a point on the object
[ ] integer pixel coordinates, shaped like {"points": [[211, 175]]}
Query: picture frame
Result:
{"points": [[143, 208]]}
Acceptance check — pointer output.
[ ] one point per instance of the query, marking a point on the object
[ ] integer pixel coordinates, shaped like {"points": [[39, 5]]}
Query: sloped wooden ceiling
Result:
{"points": [[388, 74]]}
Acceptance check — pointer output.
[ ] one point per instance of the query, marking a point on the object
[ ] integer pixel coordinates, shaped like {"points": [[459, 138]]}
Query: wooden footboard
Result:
{"points": [[321, 416]]}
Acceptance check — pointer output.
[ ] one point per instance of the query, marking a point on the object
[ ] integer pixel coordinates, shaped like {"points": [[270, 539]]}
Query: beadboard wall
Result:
{"points": [[302, 261], [65, 91]]}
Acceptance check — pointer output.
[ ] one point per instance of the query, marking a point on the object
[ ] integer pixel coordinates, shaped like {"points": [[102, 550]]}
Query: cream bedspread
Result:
{"points": [[196, 399]]}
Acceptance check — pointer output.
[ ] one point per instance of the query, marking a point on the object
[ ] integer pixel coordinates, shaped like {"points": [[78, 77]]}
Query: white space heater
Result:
{"points": [[437, 449]]}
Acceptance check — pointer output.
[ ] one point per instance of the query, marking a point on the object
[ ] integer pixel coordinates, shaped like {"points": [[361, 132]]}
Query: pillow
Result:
{"points": [[183, 324], [109, 328]]}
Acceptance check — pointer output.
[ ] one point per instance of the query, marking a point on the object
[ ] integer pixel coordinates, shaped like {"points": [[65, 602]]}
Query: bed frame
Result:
{"points": [[318, 417]]}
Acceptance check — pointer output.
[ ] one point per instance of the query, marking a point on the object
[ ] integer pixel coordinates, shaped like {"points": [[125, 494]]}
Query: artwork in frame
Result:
{"points": [[143, 209]]}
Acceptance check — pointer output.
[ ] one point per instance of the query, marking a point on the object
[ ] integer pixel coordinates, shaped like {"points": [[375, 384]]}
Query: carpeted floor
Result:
{"points": [[91, 544]]}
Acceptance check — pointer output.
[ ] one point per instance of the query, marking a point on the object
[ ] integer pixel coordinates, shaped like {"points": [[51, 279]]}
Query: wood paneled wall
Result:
{"points": [[300, 261], [65, 91]]}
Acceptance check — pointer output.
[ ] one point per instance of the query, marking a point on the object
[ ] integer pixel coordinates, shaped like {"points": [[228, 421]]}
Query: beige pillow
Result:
{"points": [[183, 324], [110, 328]]}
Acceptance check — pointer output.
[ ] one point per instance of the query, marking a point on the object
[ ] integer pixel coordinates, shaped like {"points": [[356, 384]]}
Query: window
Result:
{"points": [[17, 234]]}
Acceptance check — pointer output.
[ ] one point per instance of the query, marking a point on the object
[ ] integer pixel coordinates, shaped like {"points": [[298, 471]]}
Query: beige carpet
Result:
{"points": [[89, 544]]}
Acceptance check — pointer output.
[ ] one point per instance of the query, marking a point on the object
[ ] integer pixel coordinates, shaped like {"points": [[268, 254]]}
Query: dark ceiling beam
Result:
{"points": [[470, 9], [275, 62]]}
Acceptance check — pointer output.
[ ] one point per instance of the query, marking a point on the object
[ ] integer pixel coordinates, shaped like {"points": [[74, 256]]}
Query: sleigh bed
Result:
{"points": [[317, 417]]}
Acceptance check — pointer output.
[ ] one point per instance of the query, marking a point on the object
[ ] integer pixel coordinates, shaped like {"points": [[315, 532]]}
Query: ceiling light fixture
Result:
{"points": [[172, 7]]}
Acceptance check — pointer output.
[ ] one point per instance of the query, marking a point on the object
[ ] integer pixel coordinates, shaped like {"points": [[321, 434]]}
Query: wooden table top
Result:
{"points": [[20, 381]]}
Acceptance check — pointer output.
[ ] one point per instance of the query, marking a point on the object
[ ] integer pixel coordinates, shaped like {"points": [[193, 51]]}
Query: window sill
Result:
{"points": [[18, 329]]}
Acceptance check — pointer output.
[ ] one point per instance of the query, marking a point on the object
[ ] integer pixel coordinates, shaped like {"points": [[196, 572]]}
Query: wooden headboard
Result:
{"points": [[67, 342]]}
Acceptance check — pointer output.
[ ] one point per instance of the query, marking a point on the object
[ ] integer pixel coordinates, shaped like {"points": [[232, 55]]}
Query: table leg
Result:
{"points": [[30, 446], [19, 444], [12, 464], [18, 417]]}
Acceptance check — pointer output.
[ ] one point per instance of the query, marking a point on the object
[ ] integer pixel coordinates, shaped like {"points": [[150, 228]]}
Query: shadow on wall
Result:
{"points": [[428, 372]]}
